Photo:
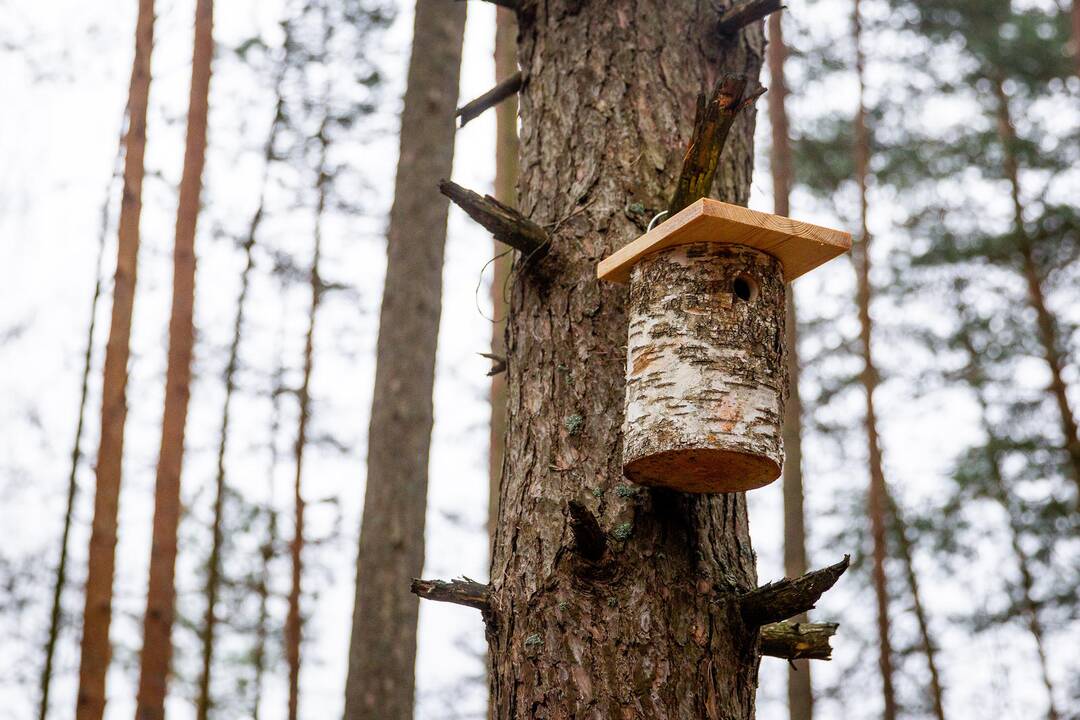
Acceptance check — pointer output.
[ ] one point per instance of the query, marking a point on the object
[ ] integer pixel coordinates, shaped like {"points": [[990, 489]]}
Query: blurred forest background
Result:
{"points": [[947, 132]]}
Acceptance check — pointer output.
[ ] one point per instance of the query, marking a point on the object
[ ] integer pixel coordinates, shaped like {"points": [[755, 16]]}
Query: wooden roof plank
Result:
{"points": [[799, 246]]}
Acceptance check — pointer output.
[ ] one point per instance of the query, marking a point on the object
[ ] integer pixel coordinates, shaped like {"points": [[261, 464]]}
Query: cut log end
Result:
{"points": [[703, 470]]}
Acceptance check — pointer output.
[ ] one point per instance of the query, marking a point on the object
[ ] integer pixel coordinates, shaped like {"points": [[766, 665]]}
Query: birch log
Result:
{"points": [[706, 376]]}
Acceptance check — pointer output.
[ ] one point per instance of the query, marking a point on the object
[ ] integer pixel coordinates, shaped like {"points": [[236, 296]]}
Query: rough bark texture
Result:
{"points": [[506, 174], [878, 489], [60, 580], [607, 108], [706, 374], [96, 650], [800, 692], [382, 651], [1046, 327], [161, 591]]}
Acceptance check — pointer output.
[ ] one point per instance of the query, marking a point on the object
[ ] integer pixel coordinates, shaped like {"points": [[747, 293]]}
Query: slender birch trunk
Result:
{"points": [[76, 448], [1046, 326], [800, 692], [382, 650], [161, 591], [96, 650]]}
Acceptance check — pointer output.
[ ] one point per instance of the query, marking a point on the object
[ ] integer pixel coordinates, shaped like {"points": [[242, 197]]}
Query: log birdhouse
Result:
{"points": [[706, 373]]}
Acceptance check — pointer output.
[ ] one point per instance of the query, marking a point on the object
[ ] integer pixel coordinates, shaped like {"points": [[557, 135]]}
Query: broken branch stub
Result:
{"points": [[798, 641], [473, 109], [460, 592], [589, 539], [742, 14], [506, 224], [787, 598], [712, 123]]}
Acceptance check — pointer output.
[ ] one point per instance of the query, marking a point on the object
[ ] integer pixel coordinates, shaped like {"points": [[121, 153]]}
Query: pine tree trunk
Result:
{"points": [[800, 693], [96, 651], [650, 629], [76, 449], [161, 591], [1045, 323], [294, 618], [1004, 496], [929, 647], [382, 650], [506, 173], [267, 551], [878, 490]]}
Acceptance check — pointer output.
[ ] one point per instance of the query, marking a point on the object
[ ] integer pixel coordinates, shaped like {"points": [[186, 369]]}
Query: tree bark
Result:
{"points": [[1046, 326], [96, 651], [800, 692], [161, 591], [382, 650], [653, 629], [878, 489], [76, 448], [506, 174]]}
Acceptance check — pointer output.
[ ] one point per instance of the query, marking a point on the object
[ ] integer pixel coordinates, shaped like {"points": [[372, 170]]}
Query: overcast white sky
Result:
{"points": [[63, 88]]}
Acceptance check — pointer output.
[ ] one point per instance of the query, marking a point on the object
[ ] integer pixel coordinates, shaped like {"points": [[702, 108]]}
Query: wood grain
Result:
{"points": [[800, 247]]}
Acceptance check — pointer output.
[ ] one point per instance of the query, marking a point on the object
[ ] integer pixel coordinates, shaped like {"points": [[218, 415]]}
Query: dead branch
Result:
{"points": [[589, 539], [498, 363], [786, 598], [742, 14], [798, 641], [712, 122], [504, 222], [490, 99], [462, 591], [508, 4]]}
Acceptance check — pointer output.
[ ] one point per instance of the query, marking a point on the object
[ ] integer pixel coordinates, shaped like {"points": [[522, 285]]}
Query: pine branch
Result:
{"points": [[783, 599], [490, 99], [461, 592], [739, 16], [589, 539], [712, 122], [798, 641], [504, 222]]}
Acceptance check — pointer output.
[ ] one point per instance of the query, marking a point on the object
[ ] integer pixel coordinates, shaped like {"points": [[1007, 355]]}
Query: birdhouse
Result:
{"points": [[706, 371]]}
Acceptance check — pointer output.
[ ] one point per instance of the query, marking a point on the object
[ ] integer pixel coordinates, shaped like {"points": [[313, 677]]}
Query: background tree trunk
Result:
{"points": [[650, 629], [161, 590], [96, 651], [1046, 326], [382, 650], [213, 564], [800, 693], [294, 618], [878, 490], [76, 447], [506, 173]]}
